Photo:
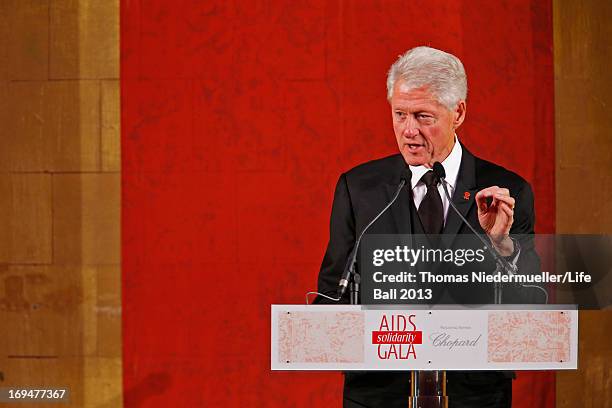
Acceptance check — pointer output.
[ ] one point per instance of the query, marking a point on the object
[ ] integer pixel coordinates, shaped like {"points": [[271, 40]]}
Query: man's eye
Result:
{"points": [[400, 114], [423, 116], [426, 119]]}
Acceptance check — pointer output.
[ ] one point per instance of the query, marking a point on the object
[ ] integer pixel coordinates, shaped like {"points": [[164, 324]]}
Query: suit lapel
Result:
{"points": [[400, 210], [463, 196]]}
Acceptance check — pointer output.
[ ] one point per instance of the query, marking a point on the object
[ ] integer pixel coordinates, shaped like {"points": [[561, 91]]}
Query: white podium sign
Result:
{"points": [[344, 337]]}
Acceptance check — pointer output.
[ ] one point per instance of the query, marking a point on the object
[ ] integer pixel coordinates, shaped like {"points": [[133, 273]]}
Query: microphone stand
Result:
{"points": [[355, 288], [348, 276], [501, 264], [351, 279]]}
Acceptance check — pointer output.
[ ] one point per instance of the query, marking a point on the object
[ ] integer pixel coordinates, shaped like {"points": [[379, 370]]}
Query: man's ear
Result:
{"points": [[459, 114]]}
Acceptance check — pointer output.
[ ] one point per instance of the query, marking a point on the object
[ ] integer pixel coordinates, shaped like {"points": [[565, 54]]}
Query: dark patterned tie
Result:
{"points": [[431, 211]]}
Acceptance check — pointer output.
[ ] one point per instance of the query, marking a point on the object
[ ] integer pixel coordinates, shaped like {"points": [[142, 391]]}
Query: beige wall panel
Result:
{"points": [[4, 40], [59, 372], [27, 50], [89, 291], [591, 385], [582, 33], [64, 43], [60, 317], [582, 102], [101, 289], [61, 311], [108, 284], [42, 308], [24, 141], [589, 186], [5, 155], [6, 237], [111, 126], [25, 213], [53, 126], [86, 218], [84, 39], [108, 311], [583, 96], [577, 152], [60, 280], [31, 218], [103, 382], [74, 113]]}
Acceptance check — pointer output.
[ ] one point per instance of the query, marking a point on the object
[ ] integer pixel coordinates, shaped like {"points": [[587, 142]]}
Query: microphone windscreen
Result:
{"points": [[439, 171]]}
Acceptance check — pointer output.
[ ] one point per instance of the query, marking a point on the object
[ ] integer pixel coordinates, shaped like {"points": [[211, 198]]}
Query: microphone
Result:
{"points": [[439, 171], [501, 262], [349, 269]]}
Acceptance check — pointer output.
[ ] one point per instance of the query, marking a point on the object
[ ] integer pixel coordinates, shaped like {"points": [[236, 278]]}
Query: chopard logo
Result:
{"points": [[446, 340]]}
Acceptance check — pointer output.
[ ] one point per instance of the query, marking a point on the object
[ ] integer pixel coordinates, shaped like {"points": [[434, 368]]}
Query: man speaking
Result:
{"points": [[427, 91]]}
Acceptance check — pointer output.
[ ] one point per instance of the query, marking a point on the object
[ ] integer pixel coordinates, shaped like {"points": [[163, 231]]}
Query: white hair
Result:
{"points": [[442, 73]]}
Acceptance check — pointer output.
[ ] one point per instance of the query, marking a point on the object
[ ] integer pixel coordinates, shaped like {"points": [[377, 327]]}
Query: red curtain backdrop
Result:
{"points": [[237, 118]]}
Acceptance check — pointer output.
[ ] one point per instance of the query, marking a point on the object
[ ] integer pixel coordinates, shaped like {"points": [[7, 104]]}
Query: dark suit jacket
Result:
{"points": [[360, 195]]}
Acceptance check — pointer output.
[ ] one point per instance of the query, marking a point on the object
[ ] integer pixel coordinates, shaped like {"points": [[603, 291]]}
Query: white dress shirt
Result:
{"points": [[451, 166]]}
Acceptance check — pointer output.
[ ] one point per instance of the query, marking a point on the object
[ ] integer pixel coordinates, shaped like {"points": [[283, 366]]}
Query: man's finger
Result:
{"points": [[505, 199], [503, 191], [487, 191], [507, 210], [482, 197]]}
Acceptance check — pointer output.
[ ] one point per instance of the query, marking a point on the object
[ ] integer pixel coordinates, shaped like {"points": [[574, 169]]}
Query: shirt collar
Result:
{"points": [[451, 166]]}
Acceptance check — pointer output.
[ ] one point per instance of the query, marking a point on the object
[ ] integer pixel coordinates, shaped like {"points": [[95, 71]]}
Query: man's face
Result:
{"points": [[424, 128]]}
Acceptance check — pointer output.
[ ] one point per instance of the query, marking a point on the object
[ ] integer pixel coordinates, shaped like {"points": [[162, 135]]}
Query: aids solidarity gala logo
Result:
{"points": [[396, 337]]}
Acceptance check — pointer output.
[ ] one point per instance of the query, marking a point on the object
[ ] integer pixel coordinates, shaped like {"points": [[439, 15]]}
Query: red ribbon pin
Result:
{"points": [[466, 195]]}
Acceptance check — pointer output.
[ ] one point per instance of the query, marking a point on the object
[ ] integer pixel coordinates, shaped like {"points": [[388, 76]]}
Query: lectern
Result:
{"points": [[424, 341]]}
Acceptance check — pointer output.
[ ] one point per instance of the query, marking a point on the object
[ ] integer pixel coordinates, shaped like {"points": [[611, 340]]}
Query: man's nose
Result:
{"points": [[411, 130]]}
